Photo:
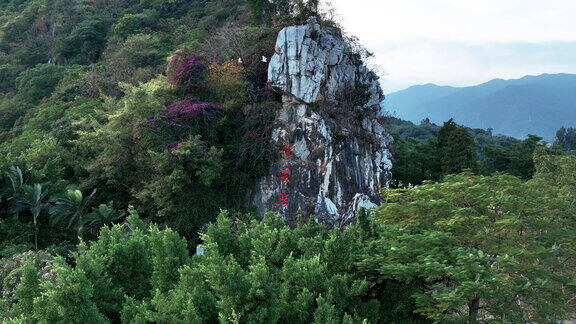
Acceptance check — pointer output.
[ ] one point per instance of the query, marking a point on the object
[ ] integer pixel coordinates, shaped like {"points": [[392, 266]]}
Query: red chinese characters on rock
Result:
{"points": [[285, 172], [284, 175], [284, 200], [287, 150]]}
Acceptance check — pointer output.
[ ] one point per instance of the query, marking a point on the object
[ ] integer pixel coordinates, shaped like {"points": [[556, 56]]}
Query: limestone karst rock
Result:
{"points": [[340, 157]]}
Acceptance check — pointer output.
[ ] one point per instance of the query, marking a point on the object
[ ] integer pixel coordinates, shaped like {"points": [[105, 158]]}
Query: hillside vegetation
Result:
{"points": [[130, 132]]}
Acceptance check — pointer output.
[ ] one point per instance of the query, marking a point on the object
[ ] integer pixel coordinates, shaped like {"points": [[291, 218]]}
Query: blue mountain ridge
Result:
{"points": [[536, 105]]}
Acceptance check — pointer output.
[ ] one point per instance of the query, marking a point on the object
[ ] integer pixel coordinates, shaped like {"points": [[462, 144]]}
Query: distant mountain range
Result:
{"points": [[536, 105]]}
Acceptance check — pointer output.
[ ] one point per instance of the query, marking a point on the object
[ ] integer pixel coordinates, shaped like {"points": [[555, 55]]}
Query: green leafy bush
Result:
{"points": [[39, 82]]}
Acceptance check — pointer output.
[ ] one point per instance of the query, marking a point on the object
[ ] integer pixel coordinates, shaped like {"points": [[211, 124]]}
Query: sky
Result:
{"points": [[462, 42]]}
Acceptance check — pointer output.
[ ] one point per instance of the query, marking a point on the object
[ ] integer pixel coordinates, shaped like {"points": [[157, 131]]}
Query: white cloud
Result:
{"points": [[461, 42]]}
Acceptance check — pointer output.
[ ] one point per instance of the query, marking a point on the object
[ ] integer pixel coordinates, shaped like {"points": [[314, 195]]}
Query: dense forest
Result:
{"points": [[130, 132]]}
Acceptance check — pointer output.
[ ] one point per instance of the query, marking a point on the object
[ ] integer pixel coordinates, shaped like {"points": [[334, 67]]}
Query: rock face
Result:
{"points": [[333, 151]]}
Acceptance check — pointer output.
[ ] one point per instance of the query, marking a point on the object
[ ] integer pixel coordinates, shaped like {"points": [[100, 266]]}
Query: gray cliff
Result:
{"points": [[340, 157]]}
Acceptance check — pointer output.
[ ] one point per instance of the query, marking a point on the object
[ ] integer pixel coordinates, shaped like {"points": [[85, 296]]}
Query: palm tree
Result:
{"points": [[100, 216], [70, 208], [16, 178], [33, 200]]}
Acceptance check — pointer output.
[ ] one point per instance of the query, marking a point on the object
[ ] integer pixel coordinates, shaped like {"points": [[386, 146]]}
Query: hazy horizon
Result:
{"points": [[462, 43], [475, 83]]}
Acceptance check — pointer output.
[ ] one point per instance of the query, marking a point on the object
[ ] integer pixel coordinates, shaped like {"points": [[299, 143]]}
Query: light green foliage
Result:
{"points": [[118, 155], [68, 299], [69, 118], [493, 243], [27, 290], [163, 262], [136, 273]]}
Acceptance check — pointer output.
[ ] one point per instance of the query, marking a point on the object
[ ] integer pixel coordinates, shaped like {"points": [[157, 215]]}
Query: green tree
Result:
{"points": [[566, 139], [8, 75], [85, 43], [27, 290], [490, 243], [70, 208], [39, 82], [68, 299], [516, 159], [34, 200], [457, 148], [15, 189], [169, 252], [103, 215]]}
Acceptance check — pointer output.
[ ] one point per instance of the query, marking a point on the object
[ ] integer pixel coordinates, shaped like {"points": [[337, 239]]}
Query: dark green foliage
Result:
{"points": [[85, 43], [70, 208], [39, 82], [457, 150], [428, 152], [283, 11], [516, 159], [566, 139], [415, 161], [141, 50], [8, 74]]}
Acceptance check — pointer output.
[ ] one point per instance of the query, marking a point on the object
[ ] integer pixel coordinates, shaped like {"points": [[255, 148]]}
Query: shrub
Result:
{"points": [[39, 82], [8, 75], [187, 71]]}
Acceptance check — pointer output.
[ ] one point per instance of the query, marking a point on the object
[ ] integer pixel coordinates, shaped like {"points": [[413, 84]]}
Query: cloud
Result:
{"points": [[463, 42]]}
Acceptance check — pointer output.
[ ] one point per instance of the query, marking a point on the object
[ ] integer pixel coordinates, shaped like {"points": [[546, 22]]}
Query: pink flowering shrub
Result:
{"points": [[178, 120], [187, 70], [254, 144]]}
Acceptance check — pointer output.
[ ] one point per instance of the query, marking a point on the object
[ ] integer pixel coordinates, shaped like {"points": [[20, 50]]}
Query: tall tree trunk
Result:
{"points": [[36, 237], [36, 232], [473, 307]]}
